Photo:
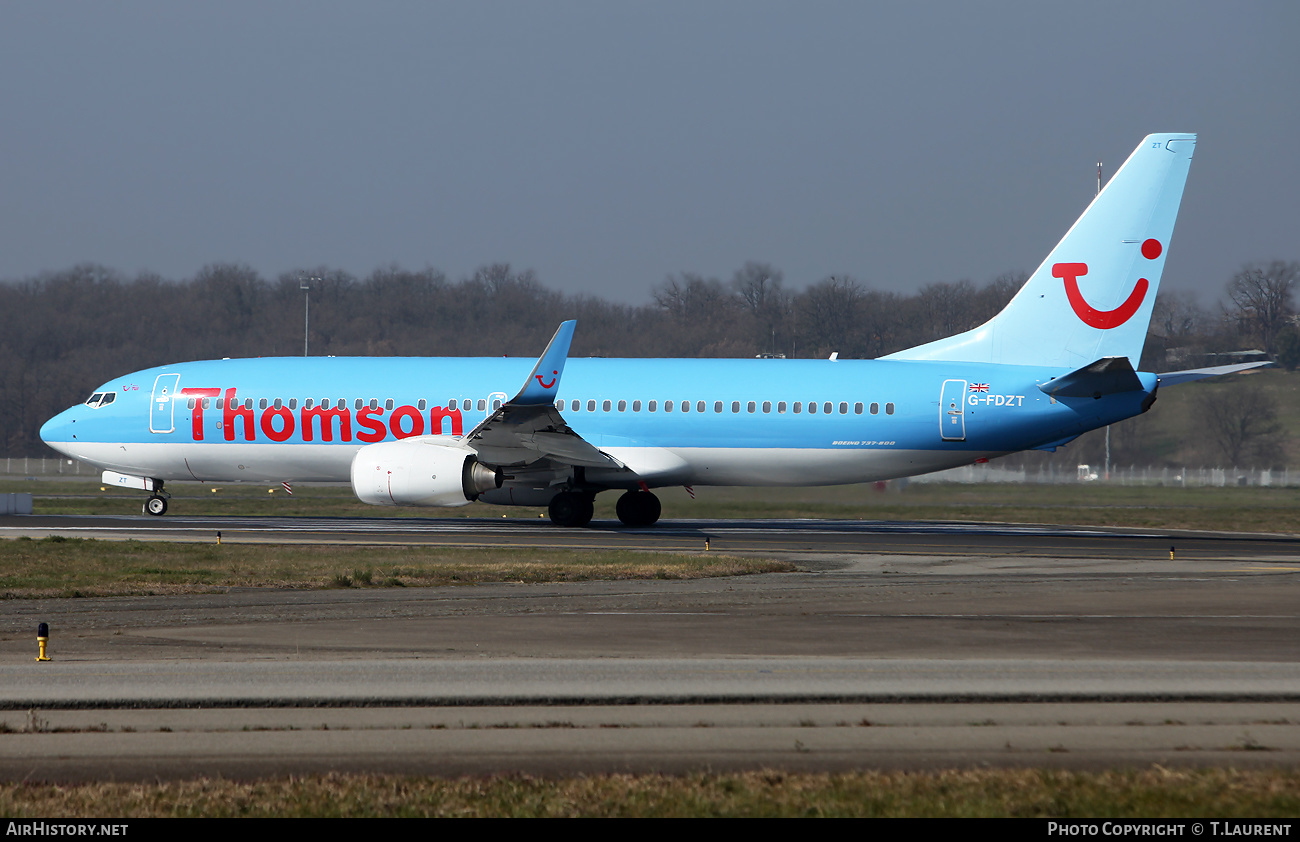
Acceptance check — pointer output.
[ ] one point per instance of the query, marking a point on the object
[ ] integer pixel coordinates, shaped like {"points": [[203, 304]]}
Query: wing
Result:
{"points": [[529, 429]]}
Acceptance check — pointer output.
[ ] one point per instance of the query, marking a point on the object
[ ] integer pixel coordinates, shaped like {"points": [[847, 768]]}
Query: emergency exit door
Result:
{"points": [[952, 418]]}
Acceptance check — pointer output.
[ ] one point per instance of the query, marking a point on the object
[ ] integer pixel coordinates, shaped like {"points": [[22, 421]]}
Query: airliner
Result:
{"points": [[1059, 360]]}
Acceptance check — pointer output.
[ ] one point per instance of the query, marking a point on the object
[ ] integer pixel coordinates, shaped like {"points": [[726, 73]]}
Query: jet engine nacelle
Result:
{"points": [[420, 472]]}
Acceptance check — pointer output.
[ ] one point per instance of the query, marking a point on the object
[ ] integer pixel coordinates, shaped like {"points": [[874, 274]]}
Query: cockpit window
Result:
{"points": [[101, 399]]}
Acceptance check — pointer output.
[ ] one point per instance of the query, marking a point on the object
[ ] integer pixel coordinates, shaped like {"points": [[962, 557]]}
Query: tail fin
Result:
{"points": [[1092, 297]]}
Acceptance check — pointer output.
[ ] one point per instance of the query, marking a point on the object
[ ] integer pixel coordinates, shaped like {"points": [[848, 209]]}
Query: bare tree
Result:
{"points": [[1243, 424], [1262, 296], [758, 285]]}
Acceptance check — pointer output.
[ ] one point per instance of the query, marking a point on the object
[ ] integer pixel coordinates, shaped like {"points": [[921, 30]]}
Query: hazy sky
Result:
{"points": [[607, 144]]}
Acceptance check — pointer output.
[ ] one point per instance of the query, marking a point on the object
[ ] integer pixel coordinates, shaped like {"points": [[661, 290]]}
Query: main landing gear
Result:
{"points": [[638, 508], [575, 508], [572, 508]]}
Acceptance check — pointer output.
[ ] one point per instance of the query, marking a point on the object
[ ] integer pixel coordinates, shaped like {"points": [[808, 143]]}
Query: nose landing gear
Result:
{"points": [[156, 505]]}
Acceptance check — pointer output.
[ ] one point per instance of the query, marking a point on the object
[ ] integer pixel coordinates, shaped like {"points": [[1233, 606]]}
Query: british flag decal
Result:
{"points": [[979, 387]]}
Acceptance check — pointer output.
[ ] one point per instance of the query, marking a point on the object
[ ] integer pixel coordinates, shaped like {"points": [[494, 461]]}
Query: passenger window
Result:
{"points": [[261, 404], [798, 407], [668, 406], [421, 405], [889, 409], [189, 404], [686, 406], [735, 407], [767, 406], [388, 404], [827, 408], [699, 406], [575, 405], [875, 409], [482, 405], [496, 403], [374, 403], [591, 406], [651, 406], [307, 404], [857, 408], [234, 402], [750, 406], [636, 406], [357, 404], [780, 406], [605, 406], [622, 406], [844, 407], [207, 403], [248, 403]]}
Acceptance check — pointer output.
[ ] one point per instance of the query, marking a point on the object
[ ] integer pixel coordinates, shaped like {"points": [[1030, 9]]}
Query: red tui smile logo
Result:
{"points": [[1104, 319], [543, 383]]}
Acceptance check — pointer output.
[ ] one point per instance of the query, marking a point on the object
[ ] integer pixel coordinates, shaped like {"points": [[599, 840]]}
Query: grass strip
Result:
{"points": [[1231, 508], [77, 567], [1151, 793]]}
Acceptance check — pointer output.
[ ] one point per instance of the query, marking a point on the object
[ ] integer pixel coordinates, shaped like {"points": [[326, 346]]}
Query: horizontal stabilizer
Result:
{"points": [[1173, 378], [1107, 376]]}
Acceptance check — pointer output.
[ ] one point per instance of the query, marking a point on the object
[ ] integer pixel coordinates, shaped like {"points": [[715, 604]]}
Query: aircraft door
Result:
{"points": [[952, 420], [162, 410]]}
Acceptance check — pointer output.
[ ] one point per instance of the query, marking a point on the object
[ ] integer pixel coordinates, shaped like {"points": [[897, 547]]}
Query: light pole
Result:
{"points": [[1105, 474], [304, 284]]}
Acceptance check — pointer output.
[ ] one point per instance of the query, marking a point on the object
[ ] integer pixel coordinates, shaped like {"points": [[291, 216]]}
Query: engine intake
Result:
{"points": [[415, 472]]}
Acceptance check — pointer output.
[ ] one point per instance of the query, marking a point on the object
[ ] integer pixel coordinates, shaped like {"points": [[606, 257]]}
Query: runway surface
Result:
{"points": [[747, 536], [954, 643]]}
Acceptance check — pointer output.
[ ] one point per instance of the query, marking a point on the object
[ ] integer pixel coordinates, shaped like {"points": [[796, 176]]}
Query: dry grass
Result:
{"points": [[1151, 793], [73, 567]]}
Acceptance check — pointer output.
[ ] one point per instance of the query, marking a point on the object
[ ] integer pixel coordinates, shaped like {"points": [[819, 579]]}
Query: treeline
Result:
{"points": [[63, 333]]}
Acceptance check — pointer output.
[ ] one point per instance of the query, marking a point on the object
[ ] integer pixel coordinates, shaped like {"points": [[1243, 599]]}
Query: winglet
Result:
{"points": [[543, 384]]}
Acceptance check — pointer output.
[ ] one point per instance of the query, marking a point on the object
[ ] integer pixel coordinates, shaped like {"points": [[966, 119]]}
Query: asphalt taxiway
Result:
{"points": [[896, 645]]}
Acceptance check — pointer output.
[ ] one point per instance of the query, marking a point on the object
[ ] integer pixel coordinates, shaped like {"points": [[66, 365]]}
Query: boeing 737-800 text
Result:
{"points": [[1058, 361]]}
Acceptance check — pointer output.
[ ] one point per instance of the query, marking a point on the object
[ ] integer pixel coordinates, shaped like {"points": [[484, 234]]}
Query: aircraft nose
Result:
{"points": [[60, 428]]}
